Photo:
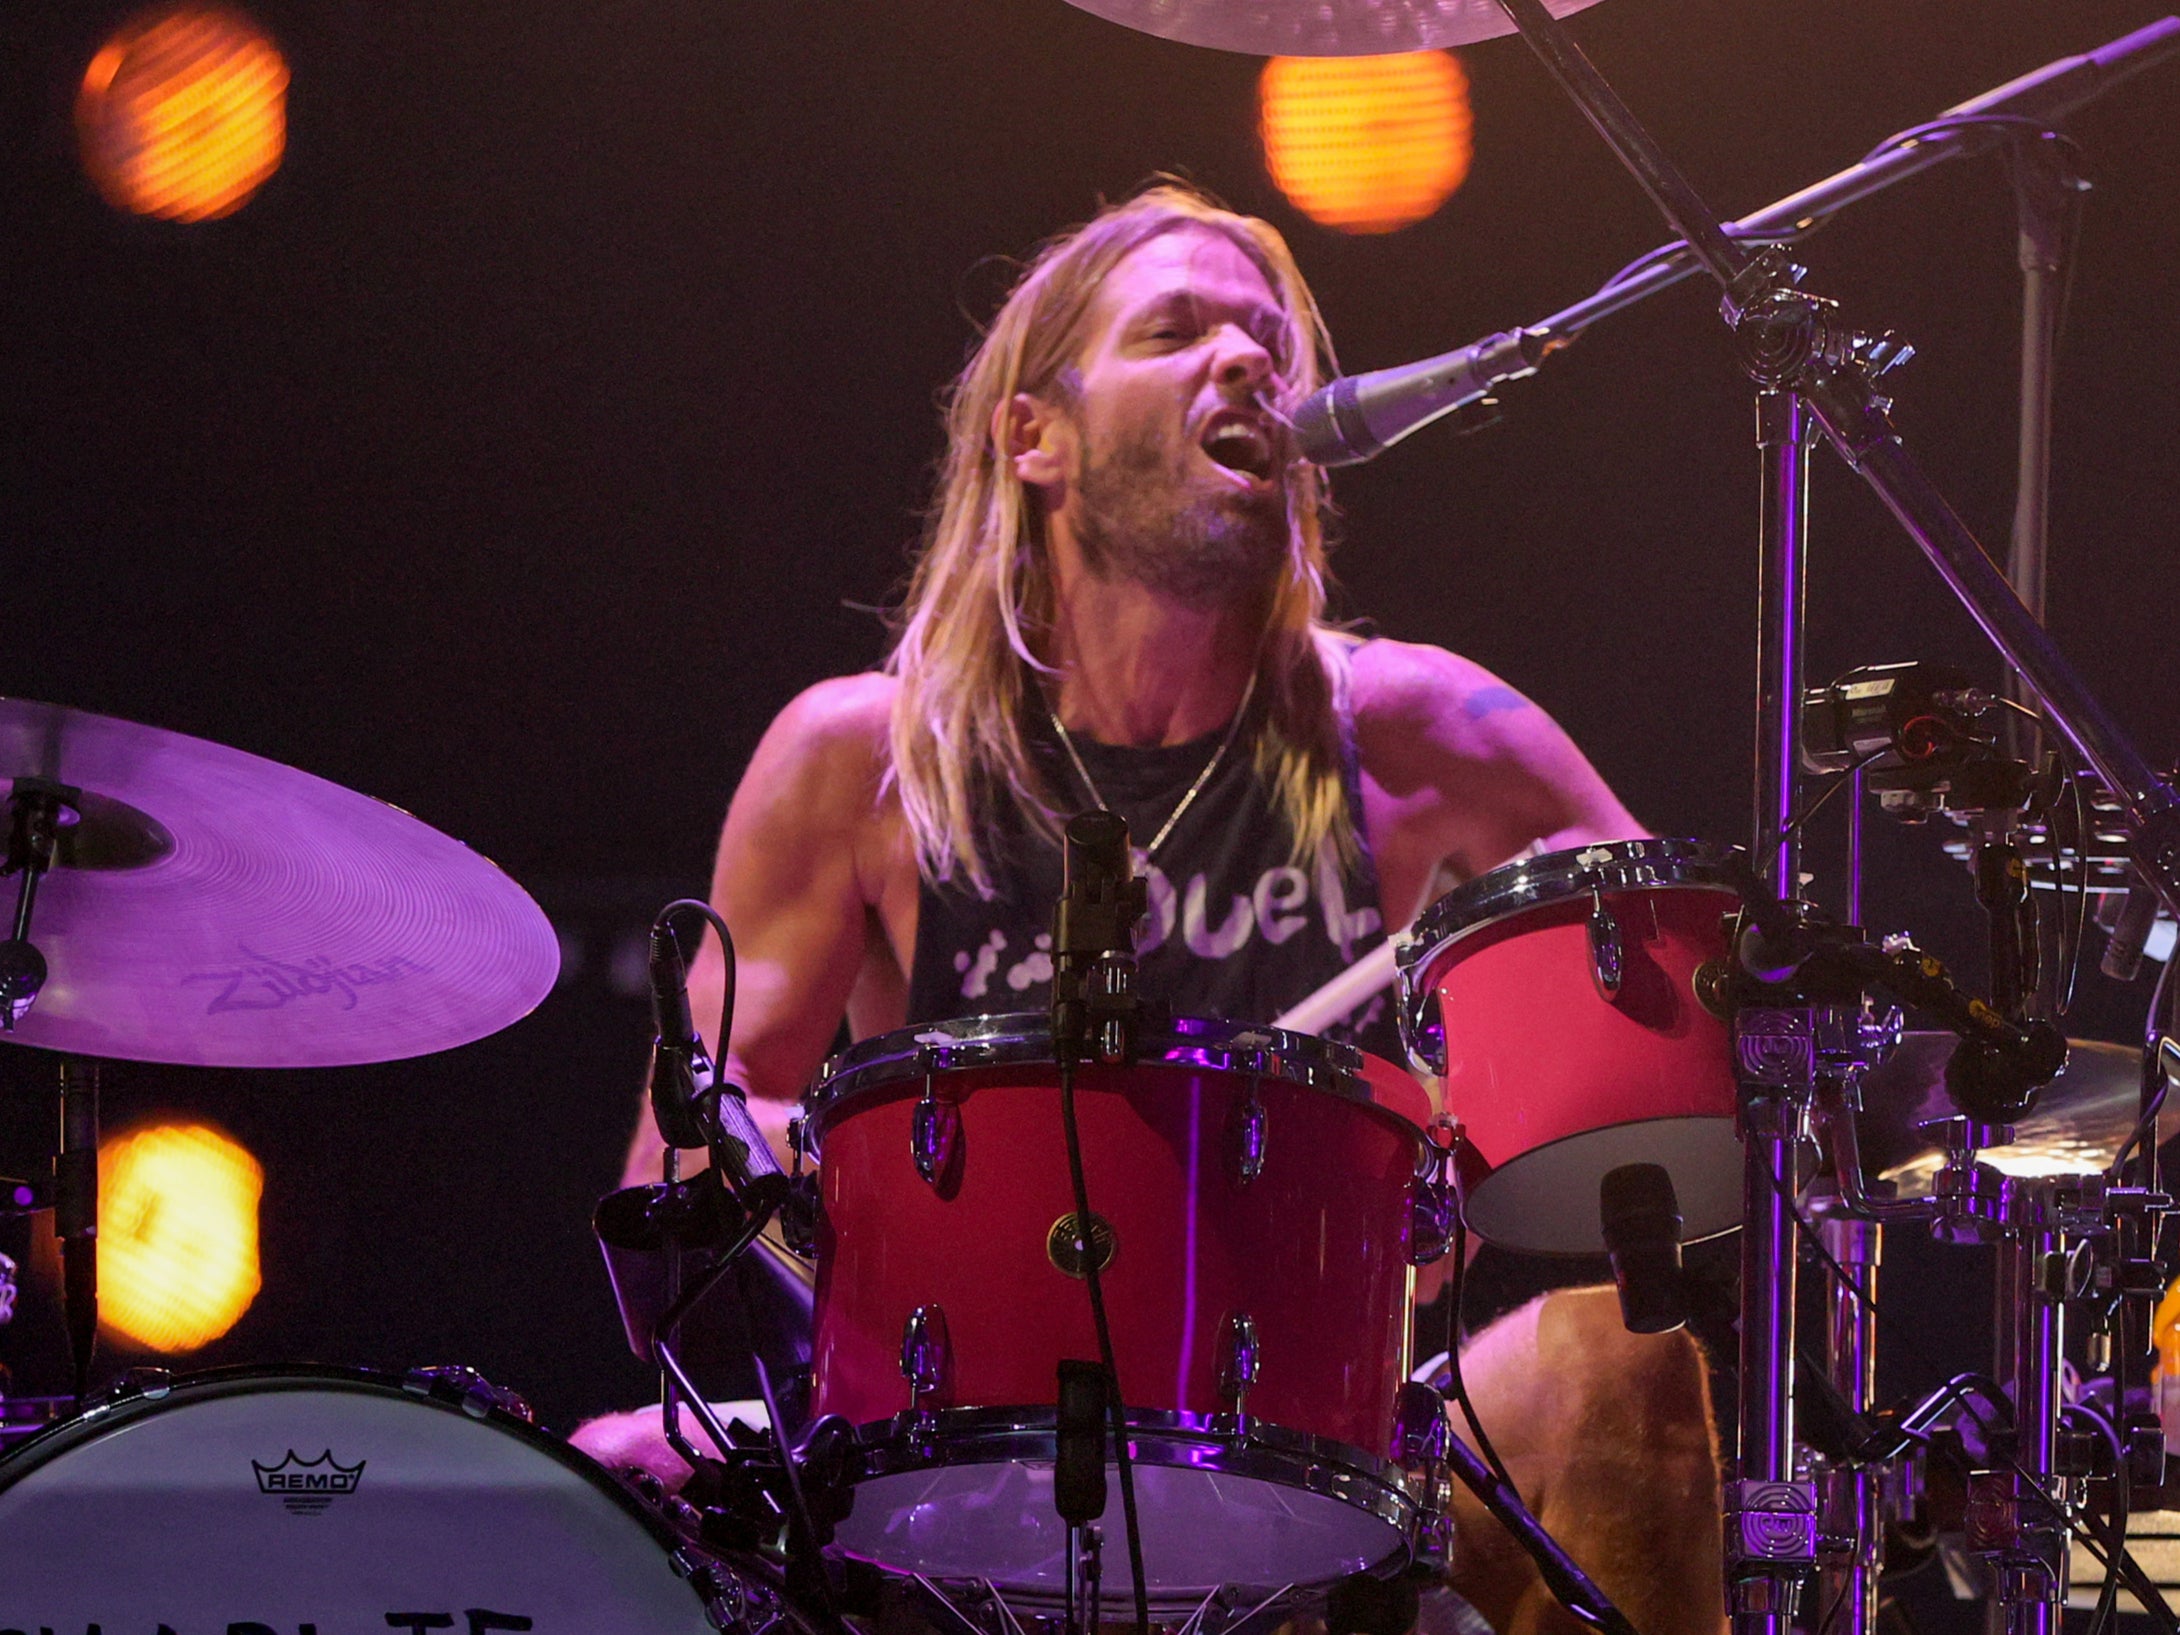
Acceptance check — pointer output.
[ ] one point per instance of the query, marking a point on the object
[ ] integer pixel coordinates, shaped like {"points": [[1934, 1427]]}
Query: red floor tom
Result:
{"points": [[1252, 1195]]}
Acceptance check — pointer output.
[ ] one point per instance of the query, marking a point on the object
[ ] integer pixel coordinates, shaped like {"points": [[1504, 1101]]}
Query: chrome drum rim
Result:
{"points": [[906, 1056], [1533, 882], [1219, 1445]]}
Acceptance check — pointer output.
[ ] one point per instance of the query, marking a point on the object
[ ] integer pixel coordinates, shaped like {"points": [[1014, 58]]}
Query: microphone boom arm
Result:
{"points": [[1331, 423]]}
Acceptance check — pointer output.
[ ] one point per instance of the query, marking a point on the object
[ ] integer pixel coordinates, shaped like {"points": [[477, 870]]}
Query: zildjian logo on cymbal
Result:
{"points": [[268, 983]]}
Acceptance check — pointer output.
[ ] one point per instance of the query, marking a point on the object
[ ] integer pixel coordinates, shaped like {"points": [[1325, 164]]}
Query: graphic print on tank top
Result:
{"points": [[1234, 930]]}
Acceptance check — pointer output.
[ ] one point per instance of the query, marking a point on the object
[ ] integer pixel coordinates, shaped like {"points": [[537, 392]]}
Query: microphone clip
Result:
{"points": [[1094, 1002]]}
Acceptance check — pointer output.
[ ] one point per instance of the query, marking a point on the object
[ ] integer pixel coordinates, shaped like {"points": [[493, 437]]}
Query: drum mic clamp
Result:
{"points": [[1093, 940]]}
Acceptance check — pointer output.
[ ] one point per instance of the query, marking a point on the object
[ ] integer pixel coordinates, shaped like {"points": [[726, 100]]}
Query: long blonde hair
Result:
{"points": [[965, 651]]}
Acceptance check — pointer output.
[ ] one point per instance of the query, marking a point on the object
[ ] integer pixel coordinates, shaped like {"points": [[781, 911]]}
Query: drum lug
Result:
{"points": [[467, 1390], [1246, 1130], [149, 1383], [1421, 1440], [726, 1598], [1422, 1024], [927, 1360], [933, 1133], [1420, 1429], [1240, 1357], [1608, 950], [1433, 1218]]}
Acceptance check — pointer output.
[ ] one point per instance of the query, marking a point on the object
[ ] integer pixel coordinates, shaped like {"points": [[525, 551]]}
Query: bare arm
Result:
{"points": [[794, 880], [1474, 771]]}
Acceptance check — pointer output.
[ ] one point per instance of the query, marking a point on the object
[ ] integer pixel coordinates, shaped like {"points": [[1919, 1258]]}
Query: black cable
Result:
{"points": [[696, 905], [1456, 1386], [798, 1505], [2122, 1502], [1091, 1279], [1838, 780], [2107, 1553]]}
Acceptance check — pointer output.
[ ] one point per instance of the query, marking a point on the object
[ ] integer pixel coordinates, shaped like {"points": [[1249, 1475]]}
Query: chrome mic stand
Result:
{"points": [[1809, 368]]}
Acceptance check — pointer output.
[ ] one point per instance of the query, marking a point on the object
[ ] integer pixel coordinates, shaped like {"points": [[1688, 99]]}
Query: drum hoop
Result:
{"points": [[1024, 1038], [1218, 1443], [134, 1398], [1532, 882]]}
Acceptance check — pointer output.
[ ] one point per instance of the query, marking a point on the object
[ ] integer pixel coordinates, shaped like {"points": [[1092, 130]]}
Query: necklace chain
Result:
{"points": [[1218, 755]]}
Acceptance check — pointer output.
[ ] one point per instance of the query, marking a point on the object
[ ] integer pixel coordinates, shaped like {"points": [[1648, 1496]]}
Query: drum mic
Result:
{"points": [[1093, 939], [691, 1101], [2128, 930], [1640, 1216], [680, 1066], [1348, 420]]}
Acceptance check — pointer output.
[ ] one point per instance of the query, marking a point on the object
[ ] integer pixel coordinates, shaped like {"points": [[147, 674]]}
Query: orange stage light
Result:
{"points": [[177, 1235], [1366, 144], [183, 113]]}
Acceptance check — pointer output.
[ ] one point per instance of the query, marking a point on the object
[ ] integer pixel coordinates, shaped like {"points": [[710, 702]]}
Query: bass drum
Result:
{"points": [[282, 1502]]}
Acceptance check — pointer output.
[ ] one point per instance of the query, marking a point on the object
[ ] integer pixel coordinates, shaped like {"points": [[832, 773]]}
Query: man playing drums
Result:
{"points": [[1120, 603]]}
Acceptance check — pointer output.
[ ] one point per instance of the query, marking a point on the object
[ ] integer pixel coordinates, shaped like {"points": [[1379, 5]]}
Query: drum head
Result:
{"points": [[967, 1493], [340, 1501], [1201, 1530], [1545, 1201]]}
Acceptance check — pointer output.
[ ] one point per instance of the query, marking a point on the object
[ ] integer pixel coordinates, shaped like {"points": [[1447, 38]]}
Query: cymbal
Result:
{"points": [[1317, 28], [2080, 1119], [211, 908]]}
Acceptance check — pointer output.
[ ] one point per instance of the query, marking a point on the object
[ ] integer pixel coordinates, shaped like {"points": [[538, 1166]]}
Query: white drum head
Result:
{"points": [[288, 1501]]}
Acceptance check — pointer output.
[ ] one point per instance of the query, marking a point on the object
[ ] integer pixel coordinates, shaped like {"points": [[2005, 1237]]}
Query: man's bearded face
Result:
{"points": [[1180, 482]]}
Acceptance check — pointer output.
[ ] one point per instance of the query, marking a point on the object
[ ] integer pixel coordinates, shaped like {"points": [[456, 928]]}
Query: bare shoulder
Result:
{"points": [[825, 753], [1469, 769], [1412, 697]]}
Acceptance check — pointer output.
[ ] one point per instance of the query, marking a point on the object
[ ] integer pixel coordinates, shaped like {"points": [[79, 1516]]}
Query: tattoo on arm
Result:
{"points": [[1492, 701]]}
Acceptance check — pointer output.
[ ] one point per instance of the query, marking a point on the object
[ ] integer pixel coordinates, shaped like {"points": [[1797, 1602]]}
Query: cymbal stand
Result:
{"points": [[1808, 366], [37, 812], [2047, 194], [1850, 1522], [1792, 341]]}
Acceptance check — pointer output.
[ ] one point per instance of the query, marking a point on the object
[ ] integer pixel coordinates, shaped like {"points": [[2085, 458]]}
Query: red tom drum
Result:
{"points": [[1252, 1195], [1557, 999]]}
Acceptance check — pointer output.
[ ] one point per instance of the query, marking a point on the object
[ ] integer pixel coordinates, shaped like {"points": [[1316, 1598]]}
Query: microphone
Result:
{"points": [[1093, 939], [1346, 421], [1641, 1220], [2129, 932], [680, 1066], [691, 1103]]}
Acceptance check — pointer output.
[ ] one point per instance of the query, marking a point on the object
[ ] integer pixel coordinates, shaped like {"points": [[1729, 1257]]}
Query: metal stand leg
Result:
{"points": [[75, 1213], [1771, 1522], [2028, 1542], [1771, 1517], [1847, 1580], [1784, 428]]}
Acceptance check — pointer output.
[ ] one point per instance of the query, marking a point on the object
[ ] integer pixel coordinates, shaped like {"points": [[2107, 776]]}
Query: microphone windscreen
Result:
{"points": [[1640, 1217], [1636, 1204]]}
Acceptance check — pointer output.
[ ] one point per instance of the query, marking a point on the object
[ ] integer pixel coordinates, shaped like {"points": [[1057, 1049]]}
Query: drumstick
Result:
{"points": [[1342, 994]]}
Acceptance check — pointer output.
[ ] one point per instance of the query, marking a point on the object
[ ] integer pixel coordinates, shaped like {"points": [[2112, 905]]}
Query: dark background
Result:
{"points": [[564, 402]]}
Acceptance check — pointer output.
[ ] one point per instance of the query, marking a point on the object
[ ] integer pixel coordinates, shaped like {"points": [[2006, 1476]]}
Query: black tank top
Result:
{"points": [[1234, 932]]}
